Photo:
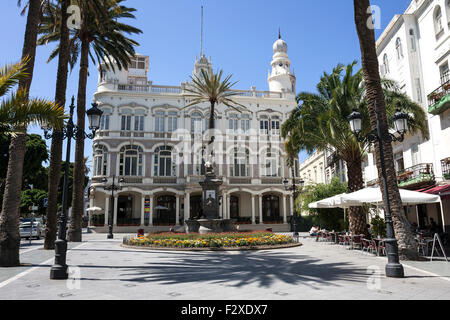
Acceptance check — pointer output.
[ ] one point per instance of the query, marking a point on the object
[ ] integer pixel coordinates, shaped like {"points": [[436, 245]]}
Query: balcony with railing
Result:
{"points": [[439, 99], [418, 176], [158, 89], [445, 165]]}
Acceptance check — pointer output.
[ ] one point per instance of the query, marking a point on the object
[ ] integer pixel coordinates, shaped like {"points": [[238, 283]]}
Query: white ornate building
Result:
{"points": [[150, 139]]}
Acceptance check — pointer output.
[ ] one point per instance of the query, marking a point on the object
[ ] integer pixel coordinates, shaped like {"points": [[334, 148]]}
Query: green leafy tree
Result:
{"points": [[330, 219], [33, 197]]}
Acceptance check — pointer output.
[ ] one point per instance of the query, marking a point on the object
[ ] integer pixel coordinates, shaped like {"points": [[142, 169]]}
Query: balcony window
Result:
{"points": [[245, 123], [100, 160], [240, 163], [270, 163], [172, 121], [233, 123], [131, 161], [163, 164], [196, 122], [159, 121]]}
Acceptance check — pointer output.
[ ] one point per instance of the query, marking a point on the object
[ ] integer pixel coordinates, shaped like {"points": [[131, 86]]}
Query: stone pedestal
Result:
{"points": [[192, 226], [204, 226]]}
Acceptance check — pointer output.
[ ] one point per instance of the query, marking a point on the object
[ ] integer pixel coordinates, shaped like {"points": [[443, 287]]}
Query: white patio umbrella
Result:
{"points": [[94, 209], [332, 202], [373, 196]]}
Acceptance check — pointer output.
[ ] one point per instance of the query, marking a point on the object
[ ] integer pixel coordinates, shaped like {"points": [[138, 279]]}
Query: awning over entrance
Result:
{"points": [[443, 191]]}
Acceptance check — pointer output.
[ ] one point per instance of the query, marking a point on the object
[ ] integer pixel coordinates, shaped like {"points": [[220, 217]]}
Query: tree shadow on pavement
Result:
{"points": [[242, 269]]}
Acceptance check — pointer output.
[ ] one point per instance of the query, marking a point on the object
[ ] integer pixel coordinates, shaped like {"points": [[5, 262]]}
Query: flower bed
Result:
{"points": [[218, 240]]}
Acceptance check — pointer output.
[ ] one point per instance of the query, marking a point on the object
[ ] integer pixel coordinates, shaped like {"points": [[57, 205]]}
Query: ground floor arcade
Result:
{"points": [[170, 206]]}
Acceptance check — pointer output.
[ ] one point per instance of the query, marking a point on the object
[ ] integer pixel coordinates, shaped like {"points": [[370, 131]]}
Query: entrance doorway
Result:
{"points": [[125, 210], [271, 208], [165, 210], [195, 206]]}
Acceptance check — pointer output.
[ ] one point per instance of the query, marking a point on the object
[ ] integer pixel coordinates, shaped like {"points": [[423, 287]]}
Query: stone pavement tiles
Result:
{"points": [[102, 269]]}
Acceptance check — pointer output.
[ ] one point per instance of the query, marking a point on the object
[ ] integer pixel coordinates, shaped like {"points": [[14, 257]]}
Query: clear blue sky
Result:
{"points": [[238, 35]]}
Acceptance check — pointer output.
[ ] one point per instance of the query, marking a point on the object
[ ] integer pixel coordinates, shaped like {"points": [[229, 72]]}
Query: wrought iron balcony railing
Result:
{"points": [[439, 99], [445, 165], [416, 176]]}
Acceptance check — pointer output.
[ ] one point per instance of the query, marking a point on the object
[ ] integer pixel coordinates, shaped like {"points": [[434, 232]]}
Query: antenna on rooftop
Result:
{"points": [[201, 37]]}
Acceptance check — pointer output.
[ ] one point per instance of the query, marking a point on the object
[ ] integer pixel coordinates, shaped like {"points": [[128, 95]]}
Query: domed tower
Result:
{"points": [[281, 78]]}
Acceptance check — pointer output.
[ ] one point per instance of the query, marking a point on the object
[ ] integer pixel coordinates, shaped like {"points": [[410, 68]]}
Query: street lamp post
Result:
{"points": [[59, 268], [393, 268], [113, 187], [294, 190]]}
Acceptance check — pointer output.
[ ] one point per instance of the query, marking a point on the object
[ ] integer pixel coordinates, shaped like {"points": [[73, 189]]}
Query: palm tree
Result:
{"points": [[11, 200], [210, 88], [101, 36], [48, 26], [369, 60], [16, 113], [320, 122]]}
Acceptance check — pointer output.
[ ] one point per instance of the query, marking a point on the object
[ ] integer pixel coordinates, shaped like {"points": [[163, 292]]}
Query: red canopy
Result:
{"points": [[443, 191]]}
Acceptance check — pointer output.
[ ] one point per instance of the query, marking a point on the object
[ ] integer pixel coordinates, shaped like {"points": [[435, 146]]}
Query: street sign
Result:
{"points": [[45, 202], [33, 208]]}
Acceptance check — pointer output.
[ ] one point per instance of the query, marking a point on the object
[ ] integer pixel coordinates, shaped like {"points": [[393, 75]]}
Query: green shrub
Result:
{"points": [[378, 226]]}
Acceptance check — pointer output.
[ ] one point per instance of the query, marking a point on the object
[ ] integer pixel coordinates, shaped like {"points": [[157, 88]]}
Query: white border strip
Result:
{"points": [[24, 273]]}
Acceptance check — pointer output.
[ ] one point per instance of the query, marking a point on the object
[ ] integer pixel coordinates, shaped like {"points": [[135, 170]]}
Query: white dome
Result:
{"points": [[280, 46]]}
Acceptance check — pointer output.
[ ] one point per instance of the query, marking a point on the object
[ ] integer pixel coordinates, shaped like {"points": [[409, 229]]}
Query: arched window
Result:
{"points": [[438, 26], [386, 64], [163, 164], [399, 48], [270, 163], [196, 122], [240, 163], [100, 160], [131, 161]]}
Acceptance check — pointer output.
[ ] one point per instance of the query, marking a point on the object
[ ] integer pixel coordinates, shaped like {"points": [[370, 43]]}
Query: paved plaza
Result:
{"points": [[102, 269]]}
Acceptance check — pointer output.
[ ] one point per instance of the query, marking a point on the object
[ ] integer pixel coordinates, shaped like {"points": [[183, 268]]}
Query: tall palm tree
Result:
{"points": [[369, 60], [320, 122], [16, 113], [11, 200], [101, 38], [48, 27], [210, 88]]}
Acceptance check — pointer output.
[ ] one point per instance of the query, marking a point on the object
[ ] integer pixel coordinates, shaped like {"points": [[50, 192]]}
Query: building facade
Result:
{"points": [[150, 139]]}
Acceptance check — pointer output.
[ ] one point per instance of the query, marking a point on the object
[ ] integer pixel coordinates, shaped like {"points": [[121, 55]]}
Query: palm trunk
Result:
{"points": [[406, 243], [9, 223], [357, 218], [79, 167], [211, 128], [54, 171]]}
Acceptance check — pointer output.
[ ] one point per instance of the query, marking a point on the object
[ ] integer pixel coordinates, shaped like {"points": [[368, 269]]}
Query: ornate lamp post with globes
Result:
{"points": [[113, 187], [59, 268], [294, 190], [393, 268]]}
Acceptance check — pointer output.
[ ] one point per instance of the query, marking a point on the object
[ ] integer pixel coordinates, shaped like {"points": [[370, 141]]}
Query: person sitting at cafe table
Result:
{"points": [[314, 231]]}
